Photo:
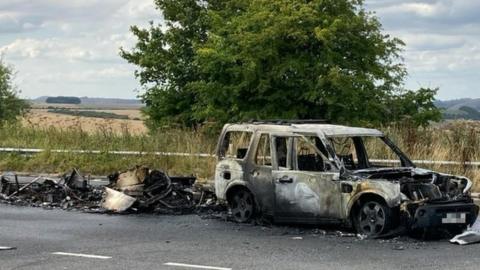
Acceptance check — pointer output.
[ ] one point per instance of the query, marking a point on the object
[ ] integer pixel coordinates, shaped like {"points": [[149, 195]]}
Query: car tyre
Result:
{"points": [[372, 218], [242, 206]]}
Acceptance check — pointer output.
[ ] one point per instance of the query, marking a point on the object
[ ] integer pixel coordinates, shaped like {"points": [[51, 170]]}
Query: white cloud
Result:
{"points": [[421, 9], [47, 48], [72, 47], [87, 76], [441, 37]]}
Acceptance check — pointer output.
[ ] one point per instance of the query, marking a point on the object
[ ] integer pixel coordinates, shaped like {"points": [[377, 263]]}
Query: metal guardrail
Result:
{"points": [[97, 152], [203, 155]]}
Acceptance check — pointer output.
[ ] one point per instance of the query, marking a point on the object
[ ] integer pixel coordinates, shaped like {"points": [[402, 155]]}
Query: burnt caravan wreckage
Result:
{"points": [[136, 190], [309, 172]]}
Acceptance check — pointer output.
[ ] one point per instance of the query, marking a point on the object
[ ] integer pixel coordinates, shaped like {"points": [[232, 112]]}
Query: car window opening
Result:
{"points": [[263, 155], [235, 144], [308, 153], [367, 152]]}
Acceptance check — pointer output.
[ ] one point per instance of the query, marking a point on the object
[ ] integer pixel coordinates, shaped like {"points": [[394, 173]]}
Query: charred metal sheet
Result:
{"points": [[132, 177], [328, 129], [135, 190], [76, 181], [8, 248], [471, 236], [117, 201]]}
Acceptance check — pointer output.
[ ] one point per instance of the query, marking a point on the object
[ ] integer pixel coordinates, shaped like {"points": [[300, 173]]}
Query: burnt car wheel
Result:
{"points": [[372, 219], [242, 206]]}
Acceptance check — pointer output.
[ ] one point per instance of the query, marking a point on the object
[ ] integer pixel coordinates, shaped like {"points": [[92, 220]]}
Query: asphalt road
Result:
{"points": [[55, 239]]}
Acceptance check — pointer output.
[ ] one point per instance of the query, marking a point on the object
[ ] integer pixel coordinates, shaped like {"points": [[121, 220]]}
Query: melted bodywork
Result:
{"points": [[300, 178]]}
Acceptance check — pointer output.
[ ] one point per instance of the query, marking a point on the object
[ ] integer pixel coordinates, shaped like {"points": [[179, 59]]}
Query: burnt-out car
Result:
{"points": [[308, 172]]}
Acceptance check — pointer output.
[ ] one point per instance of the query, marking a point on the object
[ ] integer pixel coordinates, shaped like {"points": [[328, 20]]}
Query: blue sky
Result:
{"points": [[71, 47]]}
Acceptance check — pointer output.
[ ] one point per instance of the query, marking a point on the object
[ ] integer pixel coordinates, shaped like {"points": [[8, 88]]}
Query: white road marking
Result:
{"points": [[82, 255], [7, 248], [196, 266]]}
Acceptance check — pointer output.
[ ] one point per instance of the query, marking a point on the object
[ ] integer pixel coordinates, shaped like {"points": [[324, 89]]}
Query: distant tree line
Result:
{"points": [[63, 100]]}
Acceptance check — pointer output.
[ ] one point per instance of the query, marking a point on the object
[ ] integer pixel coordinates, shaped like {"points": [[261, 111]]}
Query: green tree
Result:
{"points": [[165, 59], [11, 106], [417, 108], [235, 60]]}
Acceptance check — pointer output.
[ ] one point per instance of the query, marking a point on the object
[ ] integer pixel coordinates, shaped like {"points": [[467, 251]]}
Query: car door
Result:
{"points": [[259, 171], [304, 180]]}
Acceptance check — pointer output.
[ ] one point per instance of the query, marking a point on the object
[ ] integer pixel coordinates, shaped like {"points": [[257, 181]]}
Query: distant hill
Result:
{"points": [[457, 103], [99, 102], [466, 108]]}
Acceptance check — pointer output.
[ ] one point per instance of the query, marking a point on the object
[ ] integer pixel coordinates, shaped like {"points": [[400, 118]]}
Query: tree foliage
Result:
{"points": [[166, 61], [234, 60], [11, 106]]}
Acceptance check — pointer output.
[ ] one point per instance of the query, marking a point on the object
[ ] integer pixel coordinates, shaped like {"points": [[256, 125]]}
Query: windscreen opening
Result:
{"points": [[358, 153]]}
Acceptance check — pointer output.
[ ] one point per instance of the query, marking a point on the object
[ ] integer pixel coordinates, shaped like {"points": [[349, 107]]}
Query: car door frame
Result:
{"points": [[260, 176], [298, 195]]}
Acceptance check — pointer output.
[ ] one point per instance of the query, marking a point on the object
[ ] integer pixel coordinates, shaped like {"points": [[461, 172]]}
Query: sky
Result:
{"points": [[61, 47]]}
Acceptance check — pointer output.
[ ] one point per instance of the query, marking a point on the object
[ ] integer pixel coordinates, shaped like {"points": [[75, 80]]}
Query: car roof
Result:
{"points": [[327, 129]]}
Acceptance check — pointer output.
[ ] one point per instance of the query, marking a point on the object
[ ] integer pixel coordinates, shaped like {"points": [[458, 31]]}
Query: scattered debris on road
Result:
{"points": [[136, 190], [471, 236]]}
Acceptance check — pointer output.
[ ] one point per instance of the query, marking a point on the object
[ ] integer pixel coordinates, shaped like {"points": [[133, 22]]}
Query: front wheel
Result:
{"points": [[242, 206], [373, 219]]}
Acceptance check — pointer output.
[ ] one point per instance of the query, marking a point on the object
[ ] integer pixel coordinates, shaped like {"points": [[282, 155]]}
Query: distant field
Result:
{"points": [[42, 105], [42, 118]]}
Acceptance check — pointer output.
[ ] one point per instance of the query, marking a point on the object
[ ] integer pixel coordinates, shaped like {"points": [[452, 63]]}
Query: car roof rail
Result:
{"points": [[288, 121]]}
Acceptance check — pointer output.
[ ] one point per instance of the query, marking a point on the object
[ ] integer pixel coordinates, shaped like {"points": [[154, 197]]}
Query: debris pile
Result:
{"points": [[148, 190], [137, 190], [70, 191]]}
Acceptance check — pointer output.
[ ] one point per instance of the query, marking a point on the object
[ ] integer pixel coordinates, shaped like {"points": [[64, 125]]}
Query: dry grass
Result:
{"points": [[452, 141], [456, 141], [105, 139]]}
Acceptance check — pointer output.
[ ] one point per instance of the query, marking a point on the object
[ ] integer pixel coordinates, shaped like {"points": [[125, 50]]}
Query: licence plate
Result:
{"points": [[455, 218]]}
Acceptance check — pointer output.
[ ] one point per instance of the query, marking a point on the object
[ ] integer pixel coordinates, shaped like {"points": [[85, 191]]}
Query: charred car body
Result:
{"points": [[308, 172]]}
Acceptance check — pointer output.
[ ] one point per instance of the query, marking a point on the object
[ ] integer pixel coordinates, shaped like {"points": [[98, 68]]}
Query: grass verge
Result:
{"points": [[456, 141]]}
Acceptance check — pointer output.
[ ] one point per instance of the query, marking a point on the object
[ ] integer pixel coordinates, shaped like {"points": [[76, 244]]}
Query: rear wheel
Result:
{"points": [[242, 206], [373, 218]]}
